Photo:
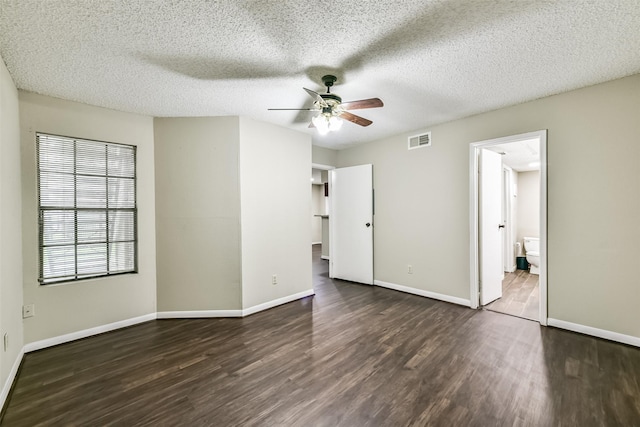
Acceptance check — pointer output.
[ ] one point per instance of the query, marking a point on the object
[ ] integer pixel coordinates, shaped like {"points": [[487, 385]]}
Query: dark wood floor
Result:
{"points": [[520, 295], [353, 355]]}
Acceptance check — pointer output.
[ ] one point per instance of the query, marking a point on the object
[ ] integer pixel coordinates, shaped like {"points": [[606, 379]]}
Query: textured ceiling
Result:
{"points": [[429, 61], [519, 155]]}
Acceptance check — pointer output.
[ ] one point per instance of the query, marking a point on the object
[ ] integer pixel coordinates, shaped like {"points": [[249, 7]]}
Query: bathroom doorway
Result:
{"points": [[507, 208]]}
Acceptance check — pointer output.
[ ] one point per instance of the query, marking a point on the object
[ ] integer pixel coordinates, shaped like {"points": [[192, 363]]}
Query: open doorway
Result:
{"points": [[320, 213], [508, 225], [347, 228]]}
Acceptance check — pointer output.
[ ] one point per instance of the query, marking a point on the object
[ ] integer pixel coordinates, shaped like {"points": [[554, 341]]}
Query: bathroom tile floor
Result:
{"points": [[520, 295]]}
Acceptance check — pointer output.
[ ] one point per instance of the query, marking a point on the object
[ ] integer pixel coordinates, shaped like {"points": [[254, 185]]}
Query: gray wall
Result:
{"points": [[10, 225], [421, 213], [232, 208], [198, 213], [275, 207], [71, 307], [324, 156], [422, 202]]}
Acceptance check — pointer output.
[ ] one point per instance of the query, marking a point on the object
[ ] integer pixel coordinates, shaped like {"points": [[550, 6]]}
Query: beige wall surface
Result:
{"points": [[324, 156], [528, 210], [422, 202], [275, 210], [198, 213], [71, 307], [10, 224], [421, 214]]}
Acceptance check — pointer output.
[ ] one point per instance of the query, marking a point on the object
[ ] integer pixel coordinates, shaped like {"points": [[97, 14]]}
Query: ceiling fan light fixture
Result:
{"points": [[321, 123], [335, 123], [327, 122]]}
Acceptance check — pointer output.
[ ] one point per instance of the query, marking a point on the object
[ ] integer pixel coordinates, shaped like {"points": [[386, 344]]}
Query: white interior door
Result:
{"points": [[491, 226], [351, 224]]}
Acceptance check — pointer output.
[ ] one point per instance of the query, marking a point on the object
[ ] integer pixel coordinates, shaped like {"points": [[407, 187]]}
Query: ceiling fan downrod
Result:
{"points": [[328, 81]]}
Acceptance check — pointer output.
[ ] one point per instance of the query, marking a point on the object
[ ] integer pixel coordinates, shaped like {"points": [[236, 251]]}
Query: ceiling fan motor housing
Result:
{"points": [[331, 96]]}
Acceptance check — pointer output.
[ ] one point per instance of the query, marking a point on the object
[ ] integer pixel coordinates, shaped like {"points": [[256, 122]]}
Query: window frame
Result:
{"points": [[108, 240]]}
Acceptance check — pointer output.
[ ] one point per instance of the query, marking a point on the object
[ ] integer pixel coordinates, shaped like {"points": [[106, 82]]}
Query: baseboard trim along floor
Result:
{"points": [[595, 332], [61, 339], [198, 314], [10, 379], [277, 302], [50, 342], [423, 293]]}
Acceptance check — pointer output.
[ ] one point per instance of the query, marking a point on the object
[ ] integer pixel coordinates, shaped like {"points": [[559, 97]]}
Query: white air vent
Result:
{"points": [[419, 141]]}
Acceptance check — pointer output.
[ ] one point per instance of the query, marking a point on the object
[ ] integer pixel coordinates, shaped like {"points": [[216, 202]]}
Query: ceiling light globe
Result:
{"points": [[335, 123], [321, 123]]}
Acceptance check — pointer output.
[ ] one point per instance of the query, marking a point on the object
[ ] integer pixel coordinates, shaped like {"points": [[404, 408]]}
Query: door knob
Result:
{"points": [[500, 226], [368, 224]]}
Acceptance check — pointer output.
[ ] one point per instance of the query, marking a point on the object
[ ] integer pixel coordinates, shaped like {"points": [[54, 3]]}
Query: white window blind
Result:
{"points": [[87, 208]]}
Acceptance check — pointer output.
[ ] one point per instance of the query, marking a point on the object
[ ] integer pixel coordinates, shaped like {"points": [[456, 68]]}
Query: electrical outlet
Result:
{"points": [[6, 341], [410, 269], [274, 279], [28, 310]]}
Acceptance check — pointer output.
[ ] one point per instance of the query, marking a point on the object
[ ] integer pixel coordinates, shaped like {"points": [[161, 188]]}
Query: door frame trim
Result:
{"points": [[509, 232], [321, 166], [474, 276]]}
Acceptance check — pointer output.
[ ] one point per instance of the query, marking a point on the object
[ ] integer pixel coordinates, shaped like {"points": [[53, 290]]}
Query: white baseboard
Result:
{"points": [[49, 342], [233, 313], [194, 314], [6, 388], [600, 333], [277, 302], [423, 293], [324, 257]]}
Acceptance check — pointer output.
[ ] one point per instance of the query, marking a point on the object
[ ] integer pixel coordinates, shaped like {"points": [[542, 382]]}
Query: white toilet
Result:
{"points": [[532, 250]]}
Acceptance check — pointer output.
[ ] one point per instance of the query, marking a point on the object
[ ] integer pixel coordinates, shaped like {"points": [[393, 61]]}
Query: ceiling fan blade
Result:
{"points": [[291, 109], [315, 95], [363, 103], [355, 119]]}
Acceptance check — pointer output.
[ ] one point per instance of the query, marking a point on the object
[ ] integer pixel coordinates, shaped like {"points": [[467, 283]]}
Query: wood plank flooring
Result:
{"points": [[520, 295], [353, 355]]}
